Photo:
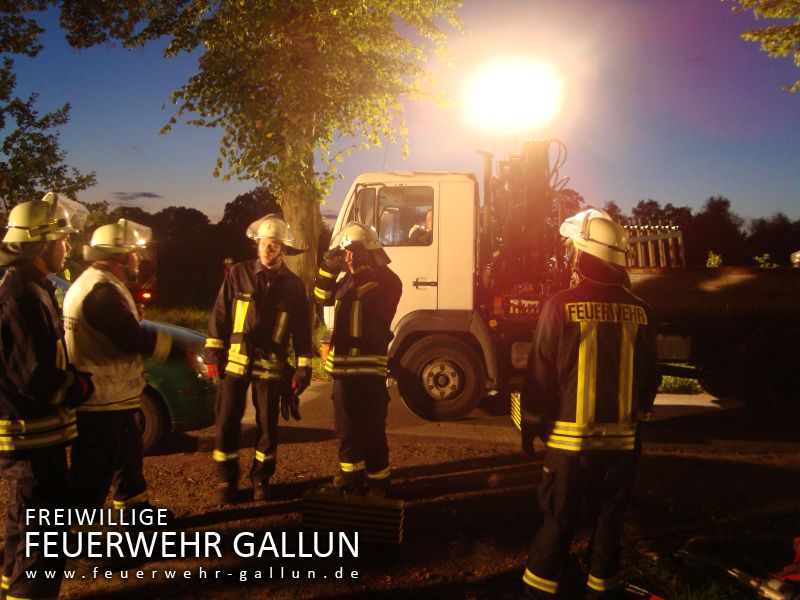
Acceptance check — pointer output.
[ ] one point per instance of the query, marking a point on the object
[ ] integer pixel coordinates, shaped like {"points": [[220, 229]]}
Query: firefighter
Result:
{"points": [[365, 300], [591, 375], [106, 338], [260, 305], [39, 387]]}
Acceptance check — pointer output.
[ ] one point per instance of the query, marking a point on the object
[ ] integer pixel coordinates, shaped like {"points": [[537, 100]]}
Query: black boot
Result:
{"points": [[261, 492], [378, 488], [347, 483]]}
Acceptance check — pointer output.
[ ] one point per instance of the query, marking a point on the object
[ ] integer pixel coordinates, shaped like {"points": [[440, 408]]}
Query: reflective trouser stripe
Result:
{"points": [[352, 467], [220, 456], [261, 457], [6, 581], [576, 444], [602, 585], [322, 294], [383, 474], [130, 502], [303, 361], [545, 585]]}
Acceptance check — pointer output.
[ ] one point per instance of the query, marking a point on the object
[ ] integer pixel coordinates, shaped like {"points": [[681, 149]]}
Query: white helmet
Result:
{"points": [[272, 226], [356, 233], [117, 238], [592, 231], [45, 219]]}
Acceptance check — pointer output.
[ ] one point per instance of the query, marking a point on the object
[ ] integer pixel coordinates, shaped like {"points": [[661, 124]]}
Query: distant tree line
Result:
{"points": [[715, 228], [190, 251]]}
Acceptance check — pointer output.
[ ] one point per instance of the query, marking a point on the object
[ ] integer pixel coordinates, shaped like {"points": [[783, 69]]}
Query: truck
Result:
{"points": [[476, 272]]}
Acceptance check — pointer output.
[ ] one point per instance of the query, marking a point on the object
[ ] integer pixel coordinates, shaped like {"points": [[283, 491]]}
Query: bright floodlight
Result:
{"points": [[513, 97]]}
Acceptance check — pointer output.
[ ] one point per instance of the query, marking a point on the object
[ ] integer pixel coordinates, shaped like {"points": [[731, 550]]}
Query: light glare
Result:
{"points": [[513, 97]]}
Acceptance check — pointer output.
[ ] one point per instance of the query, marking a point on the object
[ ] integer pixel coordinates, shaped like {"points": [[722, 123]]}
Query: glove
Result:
{"points": [[333, 261], [213, 373], [81, 389], [531, 427], [289, 404], [300, 380]]}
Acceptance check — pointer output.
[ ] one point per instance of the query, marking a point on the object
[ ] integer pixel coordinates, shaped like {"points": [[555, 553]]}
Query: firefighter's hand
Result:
{"points": [[301, 379], [531, 427], [333, 261], [81, 389]]}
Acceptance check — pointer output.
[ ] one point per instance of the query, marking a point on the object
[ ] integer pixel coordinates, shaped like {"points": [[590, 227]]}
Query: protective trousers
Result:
{"points": [[360, 405], [229, 410], [604, 480], [37, 479], [108, 455]]}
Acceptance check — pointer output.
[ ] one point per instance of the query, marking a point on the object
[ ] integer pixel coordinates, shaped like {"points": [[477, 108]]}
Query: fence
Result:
{"points": [[655, 245]]}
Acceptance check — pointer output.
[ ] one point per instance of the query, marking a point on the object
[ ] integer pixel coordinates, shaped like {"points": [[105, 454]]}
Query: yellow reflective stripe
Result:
{"points": [[214, 343], [626, 351], [380, 475], [593, 429], [261, 457], [163, 346], [322, 294], [352, 467], [303, 361], [280, 326], [602, 585], [363, 289], [38, 440], [9, 597], [326, 274], [34, 425], [235, 369], [599, 443], [587, 373], [240, 312], [6, 580], [220, 456], [131, 502], [551, 587], [377, 359], [61, 355], [355, 319]]}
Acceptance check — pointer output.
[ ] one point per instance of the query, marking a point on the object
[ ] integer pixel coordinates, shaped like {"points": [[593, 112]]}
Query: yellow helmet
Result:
{"points": [[45, 219], [273, 227], [592, 231], [356, 233], [117, 238]]}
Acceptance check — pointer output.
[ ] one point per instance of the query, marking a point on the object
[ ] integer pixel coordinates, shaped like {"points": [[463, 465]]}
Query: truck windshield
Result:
{"points": [[402, 215]]}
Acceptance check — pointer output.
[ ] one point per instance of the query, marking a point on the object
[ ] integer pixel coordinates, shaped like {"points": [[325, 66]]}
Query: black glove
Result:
{"points": [[289, 404], [301, 379], [333, 261], [531, 427]]}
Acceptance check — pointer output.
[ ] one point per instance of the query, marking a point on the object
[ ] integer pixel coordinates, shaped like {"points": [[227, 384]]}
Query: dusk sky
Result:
{"points": [[662, 100]]}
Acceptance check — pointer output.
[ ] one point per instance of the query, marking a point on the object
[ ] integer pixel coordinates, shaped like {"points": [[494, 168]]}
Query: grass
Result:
{"points": [[679, 385], [189, 317]]}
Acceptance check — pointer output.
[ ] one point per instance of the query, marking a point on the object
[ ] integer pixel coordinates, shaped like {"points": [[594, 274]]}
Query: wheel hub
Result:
{"points": [[442, 380]]}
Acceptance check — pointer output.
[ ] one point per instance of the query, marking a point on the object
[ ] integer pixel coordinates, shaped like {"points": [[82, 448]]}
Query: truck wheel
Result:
{"points": [[151, 420], [773, 383], [441, 378], [721, 385]]}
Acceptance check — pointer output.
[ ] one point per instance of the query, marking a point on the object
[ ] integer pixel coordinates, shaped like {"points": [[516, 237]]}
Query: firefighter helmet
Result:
{"points": [[113, 239], [272, 226], [592, 231], [356, 233], [45, 219]]}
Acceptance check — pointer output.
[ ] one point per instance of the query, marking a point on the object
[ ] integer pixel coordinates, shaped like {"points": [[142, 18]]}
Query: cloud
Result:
{"points": [[133, 197]]}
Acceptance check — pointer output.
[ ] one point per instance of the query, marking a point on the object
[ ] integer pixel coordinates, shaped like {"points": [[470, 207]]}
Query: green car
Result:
{"points": [[179, 395]]}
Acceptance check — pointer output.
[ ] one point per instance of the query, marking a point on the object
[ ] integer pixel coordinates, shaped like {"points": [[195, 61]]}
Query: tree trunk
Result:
{"points": [[301, 211]]}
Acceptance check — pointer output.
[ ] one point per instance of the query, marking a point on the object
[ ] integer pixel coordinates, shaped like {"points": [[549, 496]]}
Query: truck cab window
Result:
{"points": [[405, 216]]}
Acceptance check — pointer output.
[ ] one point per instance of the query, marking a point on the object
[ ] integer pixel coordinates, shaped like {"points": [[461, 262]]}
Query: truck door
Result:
{"points": [[405, 217]]}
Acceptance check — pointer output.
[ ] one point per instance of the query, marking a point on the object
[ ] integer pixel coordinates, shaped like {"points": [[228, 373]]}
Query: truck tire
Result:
{"points": [[441, 378], [772, 387], [151, 420], [721, 385]]}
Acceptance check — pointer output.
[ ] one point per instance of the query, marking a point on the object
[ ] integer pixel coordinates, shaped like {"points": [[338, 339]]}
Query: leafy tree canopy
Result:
{"points": [[780, 39]]}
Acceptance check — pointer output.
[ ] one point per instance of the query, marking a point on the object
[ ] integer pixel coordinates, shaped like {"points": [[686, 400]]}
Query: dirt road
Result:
{"points": [[469, 508]]}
